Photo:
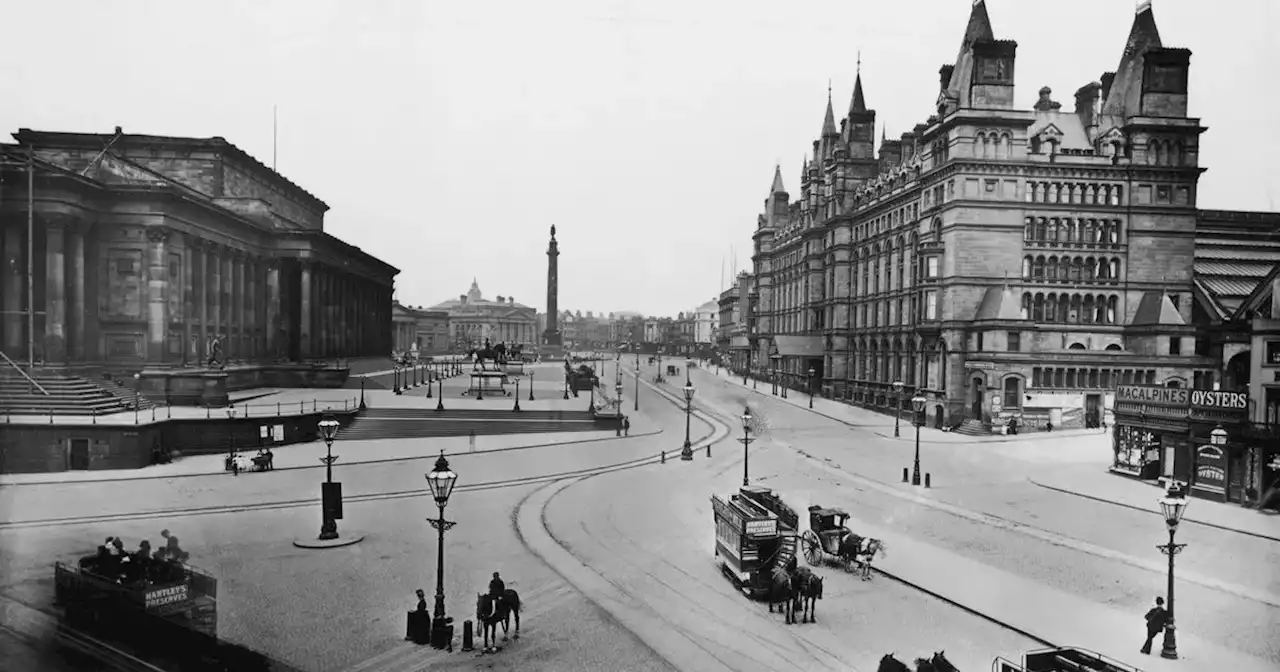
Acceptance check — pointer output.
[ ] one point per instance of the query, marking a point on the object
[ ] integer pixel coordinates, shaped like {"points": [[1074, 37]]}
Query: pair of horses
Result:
{"points": [[492, 612], [795, 587], [938, 663]]}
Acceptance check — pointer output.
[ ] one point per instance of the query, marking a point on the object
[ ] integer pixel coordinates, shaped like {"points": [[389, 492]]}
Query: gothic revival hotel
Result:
{"points": [[998, 261]]}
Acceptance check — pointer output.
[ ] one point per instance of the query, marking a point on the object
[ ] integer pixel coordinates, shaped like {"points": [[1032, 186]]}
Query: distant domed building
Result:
{"points": [[473, 318]]}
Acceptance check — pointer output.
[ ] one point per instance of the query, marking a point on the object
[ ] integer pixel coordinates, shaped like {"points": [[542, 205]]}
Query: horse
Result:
{"points": [[890, 664], [809, 591], [490, 613], [941, 664], [925, 665], [782, 592], [854, 547]]}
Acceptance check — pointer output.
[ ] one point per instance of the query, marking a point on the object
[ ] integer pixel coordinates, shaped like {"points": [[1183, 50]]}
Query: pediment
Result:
{"points": [[1112, 135], [1050, 132]]}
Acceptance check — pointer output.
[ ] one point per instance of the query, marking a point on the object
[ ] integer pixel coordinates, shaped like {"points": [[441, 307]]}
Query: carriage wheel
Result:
{"points": [[812, 547]]}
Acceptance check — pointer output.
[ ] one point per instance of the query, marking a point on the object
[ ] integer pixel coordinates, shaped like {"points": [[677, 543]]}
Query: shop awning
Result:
{"points": [[798, 346]]}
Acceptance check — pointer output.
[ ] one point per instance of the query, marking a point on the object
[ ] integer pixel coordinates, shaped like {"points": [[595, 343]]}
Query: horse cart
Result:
{"points": [[1062, 659], [755, 532], [828, 536]]}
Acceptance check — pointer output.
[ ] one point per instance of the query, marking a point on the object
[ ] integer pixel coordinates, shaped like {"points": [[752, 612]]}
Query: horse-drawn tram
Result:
{"points": [[1063, 659], [755, 532]]}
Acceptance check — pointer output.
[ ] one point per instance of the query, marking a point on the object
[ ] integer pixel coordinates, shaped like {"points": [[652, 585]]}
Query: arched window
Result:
{"points": [[1064, 308], [1029, 229], [1037, 268], [1026, 267], [1089, 313], [1037, 309], [1075, 269], [1102, 313], [1026, 306], [1115, 268], [1051, 308], [1076, 312], [1041, 229], [1051, 271], [1114, 348], [1006, 146], [1076, 346]]}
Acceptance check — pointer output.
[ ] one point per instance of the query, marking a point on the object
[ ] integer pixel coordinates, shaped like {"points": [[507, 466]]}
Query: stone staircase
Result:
{"points": [[64, 394], [972, 427], [412, 423]]}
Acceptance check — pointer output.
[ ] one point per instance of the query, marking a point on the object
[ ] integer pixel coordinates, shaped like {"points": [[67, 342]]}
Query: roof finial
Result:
{"points": [[828, 88], [859, 62]]}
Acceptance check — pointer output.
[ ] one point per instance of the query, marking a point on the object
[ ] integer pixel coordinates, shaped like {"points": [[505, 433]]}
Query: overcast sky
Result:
{"points": [[448, 136]]}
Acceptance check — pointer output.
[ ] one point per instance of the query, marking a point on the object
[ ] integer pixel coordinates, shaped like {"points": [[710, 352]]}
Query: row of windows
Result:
{"points": [[1073, 378], [1070, 308], [1072, 230], [1077, 193], [1070, 269], [993, 145]]}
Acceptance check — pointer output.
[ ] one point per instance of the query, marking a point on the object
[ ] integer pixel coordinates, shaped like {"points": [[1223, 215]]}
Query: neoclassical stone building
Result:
{"points": [[147, 248], [473, 318], [1001, 262]]}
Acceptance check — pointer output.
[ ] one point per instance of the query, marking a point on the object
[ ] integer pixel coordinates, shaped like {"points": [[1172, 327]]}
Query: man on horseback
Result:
{"points": [[496, 587]]}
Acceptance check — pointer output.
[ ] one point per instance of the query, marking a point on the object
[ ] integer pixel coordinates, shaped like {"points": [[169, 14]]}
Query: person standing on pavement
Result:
{"points": [[626, 426], [1157, 618]]}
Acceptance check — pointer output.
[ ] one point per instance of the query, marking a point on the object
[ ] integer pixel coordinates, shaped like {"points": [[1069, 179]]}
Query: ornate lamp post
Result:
{"points": [[811, 385], [330, 492], [687, 452], [897, 406], [773, 373], [917, 404], [530, 386], [746, 441], [517, 406], [1173, 505], [137, 383], [441, 480], [362, 406], [231, 438], [637, 394], [617, 387]]}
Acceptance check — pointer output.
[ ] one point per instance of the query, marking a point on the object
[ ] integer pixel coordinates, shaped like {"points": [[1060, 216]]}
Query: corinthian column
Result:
{"points": [[304, 312], [14, 289], [55, 293], [79, 311], [157, 293], [272, 325]]}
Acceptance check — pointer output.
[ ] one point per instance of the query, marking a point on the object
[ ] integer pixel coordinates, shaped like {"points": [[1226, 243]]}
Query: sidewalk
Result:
{"points": [[1095, 482], [882, 424], [307, 455], [262, 402]]}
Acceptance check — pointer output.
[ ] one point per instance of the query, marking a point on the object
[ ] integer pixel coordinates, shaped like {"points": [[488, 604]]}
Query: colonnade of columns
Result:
{"points": [[191, 292], [342, 315]]}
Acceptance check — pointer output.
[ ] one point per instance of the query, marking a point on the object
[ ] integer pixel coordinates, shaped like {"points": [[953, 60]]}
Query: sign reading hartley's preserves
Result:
{"points": [[164, 596], [1158, 400]]}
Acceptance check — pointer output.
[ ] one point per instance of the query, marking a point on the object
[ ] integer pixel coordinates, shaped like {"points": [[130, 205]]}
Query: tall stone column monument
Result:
{"points": [[551, 336]]}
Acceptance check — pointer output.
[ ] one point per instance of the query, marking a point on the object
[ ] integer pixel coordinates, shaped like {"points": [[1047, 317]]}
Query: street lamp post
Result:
{"points": [[530, 386], [617, 387], [231, 439], [687, 452], [811, 385], [137, 384], [637, 394], [917, 404], [746, 441], [773, 373], [517, 406], [1173, 505], [441, 479], [331, 493], [897, 406], [362, 406]]}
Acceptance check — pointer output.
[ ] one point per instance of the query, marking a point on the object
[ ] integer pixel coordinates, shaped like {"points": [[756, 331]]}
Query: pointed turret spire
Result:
{"points": [[777, 187], [858, 105], [829, 121], [1124, 97], [979, 28]]}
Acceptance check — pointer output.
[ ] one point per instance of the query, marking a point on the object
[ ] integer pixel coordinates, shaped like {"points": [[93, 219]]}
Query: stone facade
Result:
{"points": [[473, 319], [149, 250], [1001, 262]]}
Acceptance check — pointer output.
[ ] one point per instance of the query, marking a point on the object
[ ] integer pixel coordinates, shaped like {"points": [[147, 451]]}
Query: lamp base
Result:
{"points": [[337, 542]]}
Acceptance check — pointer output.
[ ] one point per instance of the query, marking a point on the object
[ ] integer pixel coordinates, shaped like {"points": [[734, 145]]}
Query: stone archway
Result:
{"points": [[977, 395]]}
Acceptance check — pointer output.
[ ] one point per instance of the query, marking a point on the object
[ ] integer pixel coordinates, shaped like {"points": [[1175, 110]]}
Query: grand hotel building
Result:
{"points": [[999, 261]]}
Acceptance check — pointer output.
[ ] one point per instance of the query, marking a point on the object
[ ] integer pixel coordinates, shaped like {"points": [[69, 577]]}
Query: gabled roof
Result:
{"points": [[1156, 308], [999, 303], [1259, 300]]}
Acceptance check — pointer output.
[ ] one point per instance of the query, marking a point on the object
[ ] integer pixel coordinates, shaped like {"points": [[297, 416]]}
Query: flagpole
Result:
{"points": [[274, 134]]}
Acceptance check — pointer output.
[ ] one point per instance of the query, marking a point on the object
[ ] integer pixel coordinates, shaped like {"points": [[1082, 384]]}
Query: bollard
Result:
{"points": [[468, 636], [904, 474], [277, 409], [664, 457], [926, 479]]}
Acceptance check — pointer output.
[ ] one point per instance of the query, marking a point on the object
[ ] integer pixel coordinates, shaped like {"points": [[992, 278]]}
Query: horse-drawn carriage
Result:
{"points": [[827, 535], [1062, 659], [582, 379]]}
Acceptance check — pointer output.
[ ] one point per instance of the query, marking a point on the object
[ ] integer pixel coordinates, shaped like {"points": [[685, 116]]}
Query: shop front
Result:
{"points": [[1192, 436], [1152, 426]]}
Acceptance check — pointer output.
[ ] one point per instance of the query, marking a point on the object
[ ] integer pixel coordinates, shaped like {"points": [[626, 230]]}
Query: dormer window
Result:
{"points": [[1035, 145]]}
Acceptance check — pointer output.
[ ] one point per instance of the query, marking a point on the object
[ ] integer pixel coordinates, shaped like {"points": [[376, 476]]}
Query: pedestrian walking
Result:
{"points": [[626, 426], [1157, 619]]}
